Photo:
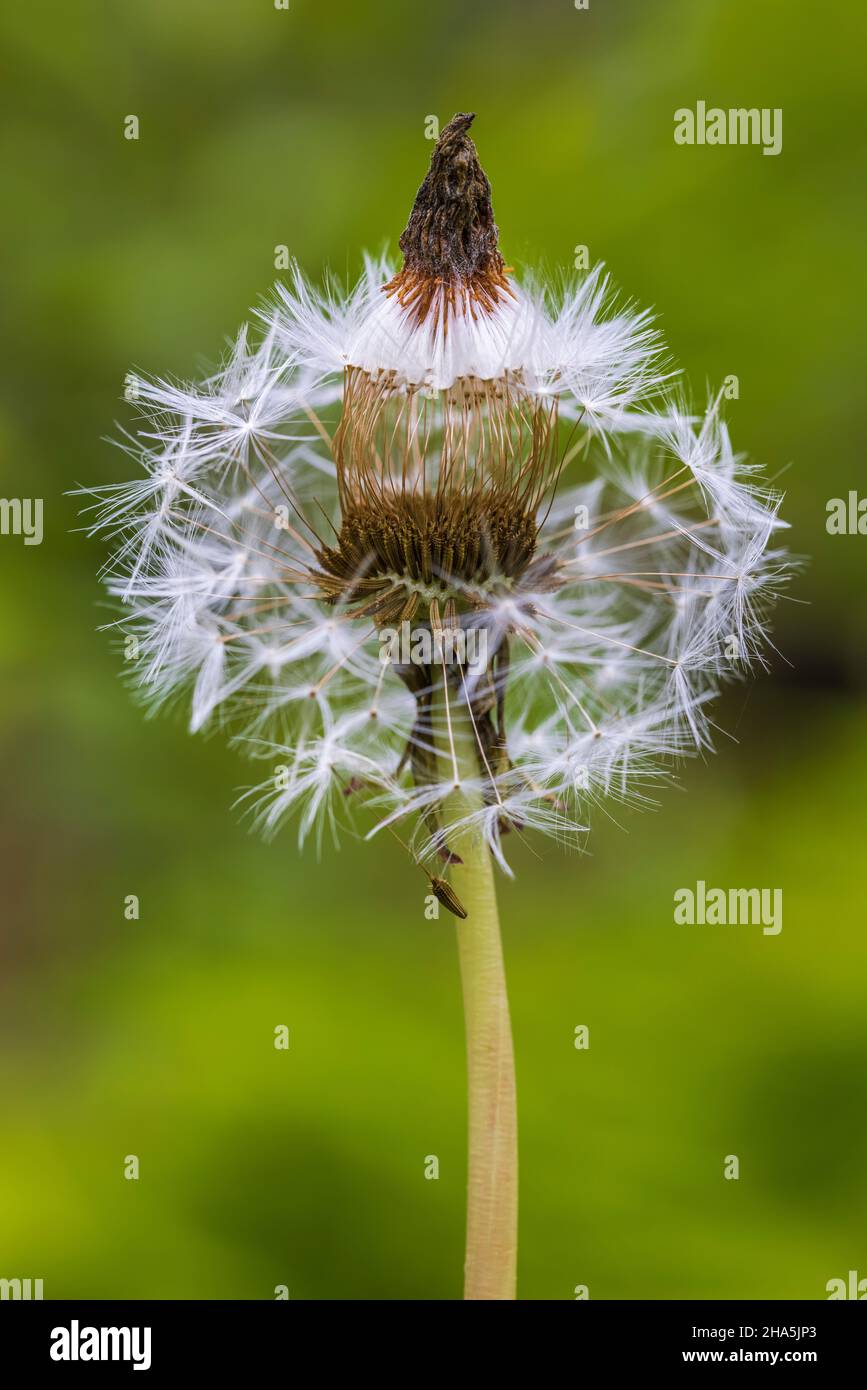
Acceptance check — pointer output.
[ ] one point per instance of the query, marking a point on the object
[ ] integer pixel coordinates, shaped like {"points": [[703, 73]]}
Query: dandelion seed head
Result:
{"points": [[494, 467]]}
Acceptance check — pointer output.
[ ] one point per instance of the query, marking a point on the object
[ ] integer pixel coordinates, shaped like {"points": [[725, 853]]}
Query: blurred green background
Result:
{"points": [[305, 127]]}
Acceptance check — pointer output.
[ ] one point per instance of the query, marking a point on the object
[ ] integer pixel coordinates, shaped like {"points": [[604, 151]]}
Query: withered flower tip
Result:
{"points": [[450, 241], [451, 231]]}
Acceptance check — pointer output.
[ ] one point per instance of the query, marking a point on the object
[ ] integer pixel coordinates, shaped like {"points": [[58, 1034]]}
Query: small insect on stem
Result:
{"points": [[445, 894], [442, 891]]}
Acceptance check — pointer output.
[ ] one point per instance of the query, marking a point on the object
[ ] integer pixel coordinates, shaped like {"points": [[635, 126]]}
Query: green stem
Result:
{"points": [[492, 1185]]}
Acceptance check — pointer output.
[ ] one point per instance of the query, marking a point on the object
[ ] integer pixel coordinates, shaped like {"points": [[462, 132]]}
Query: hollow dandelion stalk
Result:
{"points": [[448, 551], [490, 1270]]}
